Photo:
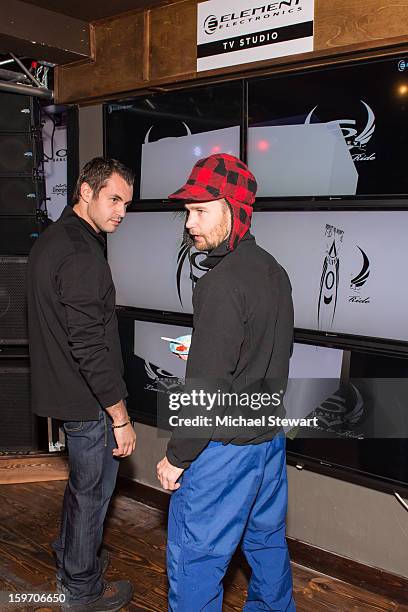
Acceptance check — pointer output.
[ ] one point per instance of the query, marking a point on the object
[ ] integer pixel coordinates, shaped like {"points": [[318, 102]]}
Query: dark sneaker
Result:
{"points": [[115, 596], [104, 560]]}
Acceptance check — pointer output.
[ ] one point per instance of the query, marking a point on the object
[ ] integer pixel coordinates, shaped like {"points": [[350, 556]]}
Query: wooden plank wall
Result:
{"points": [[157, 48]]}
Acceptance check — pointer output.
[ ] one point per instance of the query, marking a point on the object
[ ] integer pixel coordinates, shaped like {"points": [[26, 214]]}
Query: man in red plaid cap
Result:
{"points": [[230, 486]]}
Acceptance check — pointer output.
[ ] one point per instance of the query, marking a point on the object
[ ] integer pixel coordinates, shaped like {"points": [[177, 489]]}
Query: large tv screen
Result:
{"points": [[152, 360], [346, 269], [149, 356], [161, 136], [331, 132]]}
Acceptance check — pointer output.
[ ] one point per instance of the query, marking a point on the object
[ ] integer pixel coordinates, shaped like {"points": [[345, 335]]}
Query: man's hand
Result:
{"points": [[168, 474], [125, 439], [125, 436]]}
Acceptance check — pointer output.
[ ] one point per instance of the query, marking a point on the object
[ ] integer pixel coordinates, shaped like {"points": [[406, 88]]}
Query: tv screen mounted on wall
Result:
{"points": [[340, 131]]}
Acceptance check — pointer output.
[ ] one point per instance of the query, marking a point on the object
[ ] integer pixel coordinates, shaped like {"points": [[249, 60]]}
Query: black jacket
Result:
{"points": [[76, 362], [242, 331]]}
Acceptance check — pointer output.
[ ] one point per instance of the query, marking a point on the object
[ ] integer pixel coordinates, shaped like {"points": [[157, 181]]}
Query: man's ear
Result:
{"points": [[86, 192], [228, 211]]}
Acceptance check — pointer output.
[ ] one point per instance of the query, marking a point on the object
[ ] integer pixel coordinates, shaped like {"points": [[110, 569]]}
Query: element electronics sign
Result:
{"points": [[232, 32]]}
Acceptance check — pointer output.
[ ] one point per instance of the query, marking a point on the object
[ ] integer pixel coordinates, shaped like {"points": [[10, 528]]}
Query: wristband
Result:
{"points": [[119, 426]]}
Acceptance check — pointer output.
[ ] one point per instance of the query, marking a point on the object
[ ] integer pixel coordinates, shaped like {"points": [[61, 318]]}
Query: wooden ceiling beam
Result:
{"points": [[28, 30]]}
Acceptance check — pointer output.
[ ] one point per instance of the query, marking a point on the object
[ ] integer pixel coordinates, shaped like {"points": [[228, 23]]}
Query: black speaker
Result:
{"points": [[18, 426], [20, 153], [20, 195], [18, 234], [19, 113], [13, 301]]}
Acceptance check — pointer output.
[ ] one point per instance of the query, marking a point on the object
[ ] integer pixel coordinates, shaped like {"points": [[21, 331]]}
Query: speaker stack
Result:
{"points": [[22, 193]]}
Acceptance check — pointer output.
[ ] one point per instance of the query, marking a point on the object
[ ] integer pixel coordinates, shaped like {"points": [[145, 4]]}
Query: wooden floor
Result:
{"points": [[136, 537]]}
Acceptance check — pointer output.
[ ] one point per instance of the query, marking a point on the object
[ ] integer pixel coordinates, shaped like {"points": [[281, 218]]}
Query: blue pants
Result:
{"points": [[230, 493], [92, 479]]}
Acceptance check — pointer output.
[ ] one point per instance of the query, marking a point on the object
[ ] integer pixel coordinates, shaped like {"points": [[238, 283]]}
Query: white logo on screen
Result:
{"points": [[156, 373], [359, 280], [354, 139]]}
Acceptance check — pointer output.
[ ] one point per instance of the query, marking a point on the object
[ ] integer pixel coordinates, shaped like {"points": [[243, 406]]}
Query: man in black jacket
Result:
{"points": [[233, 481], [76, 374]]}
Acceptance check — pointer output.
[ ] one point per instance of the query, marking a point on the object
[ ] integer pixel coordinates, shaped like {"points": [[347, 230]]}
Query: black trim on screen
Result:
{"points": [[348, 474], [379, 346]]}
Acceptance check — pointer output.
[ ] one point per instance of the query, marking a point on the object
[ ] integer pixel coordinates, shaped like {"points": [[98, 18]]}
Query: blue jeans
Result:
{"points": [[230, 494], [92, 479]]}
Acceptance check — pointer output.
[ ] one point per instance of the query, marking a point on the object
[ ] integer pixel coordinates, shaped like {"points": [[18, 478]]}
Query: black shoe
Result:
{"points": [[104, 560], [115, 596]]}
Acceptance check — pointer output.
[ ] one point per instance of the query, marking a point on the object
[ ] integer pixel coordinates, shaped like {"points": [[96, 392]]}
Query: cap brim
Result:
{"points": [[192, 193]]}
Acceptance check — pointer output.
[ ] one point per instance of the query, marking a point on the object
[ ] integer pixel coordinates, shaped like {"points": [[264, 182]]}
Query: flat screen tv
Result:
{"points": [[362, 433], [340, 131], [161, 136], [149, 356], [380, 463], [346, 269]]}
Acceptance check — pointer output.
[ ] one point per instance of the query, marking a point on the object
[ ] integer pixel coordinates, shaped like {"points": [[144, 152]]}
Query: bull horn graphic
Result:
{"points": [[146, 141], [309, 117]]}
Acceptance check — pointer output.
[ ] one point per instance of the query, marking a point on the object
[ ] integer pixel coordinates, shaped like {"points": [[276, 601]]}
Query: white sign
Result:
{"points": [[232, 32]]}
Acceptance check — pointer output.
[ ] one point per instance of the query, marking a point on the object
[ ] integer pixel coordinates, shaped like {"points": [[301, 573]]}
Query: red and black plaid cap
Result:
{"points": [[222, 176]]}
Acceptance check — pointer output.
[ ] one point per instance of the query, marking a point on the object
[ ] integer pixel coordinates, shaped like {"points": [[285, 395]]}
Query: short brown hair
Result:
{"points": [[97, 171]]}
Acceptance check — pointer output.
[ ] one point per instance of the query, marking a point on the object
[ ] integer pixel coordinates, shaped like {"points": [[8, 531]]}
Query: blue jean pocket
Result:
{"points": [[71, 426]]}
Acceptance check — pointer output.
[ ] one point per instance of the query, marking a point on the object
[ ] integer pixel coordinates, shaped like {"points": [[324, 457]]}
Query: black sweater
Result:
{"points": [[242, 331], [76, 362]]}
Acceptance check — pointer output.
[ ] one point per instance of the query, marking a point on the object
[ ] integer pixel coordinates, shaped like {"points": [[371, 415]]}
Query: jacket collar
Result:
{"points": [[216, 255], [69, 216]]}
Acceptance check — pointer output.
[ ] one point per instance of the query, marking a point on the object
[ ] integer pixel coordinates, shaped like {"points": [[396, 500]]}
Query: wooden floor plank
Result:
{"points": [[136, 537], [32, 468]]}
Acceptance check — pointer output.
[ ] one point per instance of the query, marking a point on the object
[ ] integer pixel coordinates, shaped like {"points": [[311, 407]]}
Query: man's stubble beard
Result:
{"points": [[217, 236]]}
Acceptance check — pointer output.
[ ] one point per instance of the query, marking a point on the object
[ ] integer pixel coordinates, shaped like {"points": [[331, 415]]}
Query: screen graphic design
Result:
{"points": [[345, 268]]}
